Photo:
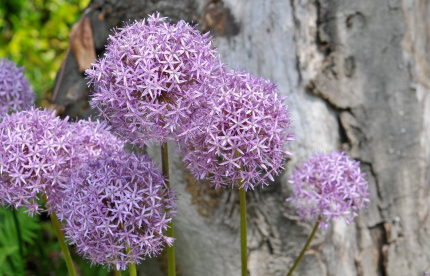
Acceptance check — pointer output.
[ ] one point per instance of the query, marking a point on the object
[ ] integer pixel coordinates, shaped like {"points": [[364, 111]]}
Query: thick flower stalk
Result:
{"points": [[116, 208], [243, 134], [152, 78], [37, 150], [329, 187], [15, 92]]}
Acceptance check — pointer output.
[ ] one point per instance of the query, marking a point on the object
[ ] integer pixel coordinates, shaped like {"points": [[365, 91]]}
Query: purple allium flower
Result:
{"points": [[330, 186], [243, 134], [15, 93], [116, 208], [427, 274], [152, 78], [37, 149], [33, 153]]}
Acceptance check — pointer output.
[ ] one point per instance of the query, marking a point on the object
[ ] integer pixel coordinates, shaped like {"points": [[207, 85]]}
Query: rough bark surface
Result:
{"points": [[356, 74]]}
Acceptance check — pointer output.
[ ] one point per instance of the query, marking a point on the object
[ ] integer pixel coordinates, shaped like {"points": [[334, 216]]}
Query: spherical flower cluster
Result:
{"points": [[33, 153], [243, 134], [330, 186], [152, 78], [15, 93], [37, 150], [116, 208]]}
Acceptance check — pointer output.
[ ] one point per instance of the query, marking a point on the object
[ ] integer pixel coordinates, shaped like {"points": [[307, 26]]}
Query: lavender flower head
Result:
{"points": [[152, 78], [116, 208], [243, 135], [37, 149], [331, 186], [15, 92], [33, 153]]}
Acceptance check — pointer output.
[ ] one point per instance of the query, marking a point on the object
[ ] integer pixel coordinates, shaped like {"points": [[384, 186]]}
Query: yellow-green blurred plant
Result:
{"points": [[34, 34]]}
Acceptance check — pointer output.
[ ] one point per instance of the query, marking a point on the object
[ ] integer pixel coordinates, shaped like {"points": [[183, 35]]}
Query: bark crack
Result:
{"points": [[379, 237], [378, 189], [297, 26], [324, 45]]}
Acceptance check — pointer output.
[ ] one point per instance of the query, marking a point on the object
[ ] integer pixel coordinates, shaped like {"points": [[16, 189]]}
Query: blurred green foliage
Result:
{"points": [[34, 34], [10, 255], [29, 246]]}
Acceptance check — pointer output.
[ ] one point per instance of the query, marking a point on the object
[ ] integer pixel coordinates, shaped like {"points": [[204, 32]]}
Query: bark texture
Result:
{"points": [[356, 74]]}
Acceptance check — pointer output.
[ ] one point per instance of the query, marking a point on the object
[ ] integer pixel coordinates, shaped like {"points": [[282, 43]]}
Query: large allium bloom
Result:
{"points": [[15, 92], [243, 134], [37, 149], [115, 209], [330, 186], [152, 78]]}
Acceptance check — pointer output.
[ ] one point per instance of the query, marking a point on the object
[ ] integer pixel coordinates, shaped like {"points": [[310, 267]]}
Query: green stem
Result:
{"points": [[243, 245], [132, 270], [171, 266], [117, 272], [305, 247], [18, 231], [63, 245], [61, 240], [132, 266]]}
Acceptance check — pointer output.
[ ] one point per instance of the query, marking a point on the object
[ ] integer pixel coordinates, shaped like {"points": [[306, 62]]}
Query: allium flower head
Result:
{"points": [[243, 135], [152, 78], [33, 153], [37, 149], [15, 93], [114, 208], [330, 186]]}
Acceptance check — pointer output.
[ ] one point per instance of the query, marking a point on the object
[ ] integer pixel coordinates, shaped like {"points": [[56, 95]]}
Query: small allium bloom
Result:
{"points": [[15, 92], [243, 134], [115, 209], [37, 150], [152, 78], [330, 186]]}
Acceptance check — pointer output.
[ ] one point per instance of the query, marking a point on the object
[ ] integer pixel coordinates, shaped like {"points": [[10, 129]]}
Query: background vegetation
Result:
{"points": [[34, 34]]}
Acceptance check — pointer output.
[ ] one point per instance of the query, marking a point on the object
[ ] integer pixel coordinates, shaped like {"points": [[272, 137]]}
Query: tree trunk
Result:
{"points": [[356, 74]]}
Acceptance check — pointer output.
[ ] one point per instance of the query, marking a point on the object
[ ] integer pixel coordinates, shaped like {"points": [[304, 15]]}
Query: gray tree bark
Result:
{"points": [[357, 77]]}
